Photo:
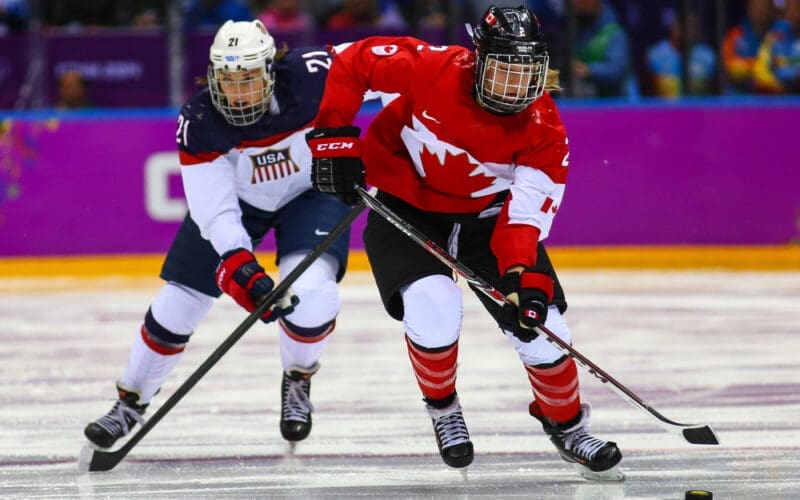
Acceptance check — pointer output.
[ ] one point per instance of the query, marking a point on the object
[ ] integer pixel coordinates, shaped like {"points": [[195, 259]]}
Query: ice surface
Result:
{"points": [[700, 347]]}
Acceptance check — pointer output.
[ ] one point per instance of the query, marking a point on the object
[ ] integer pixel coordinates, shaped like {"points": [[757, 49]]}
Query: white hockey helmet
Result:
{"points": [[239, 77]]}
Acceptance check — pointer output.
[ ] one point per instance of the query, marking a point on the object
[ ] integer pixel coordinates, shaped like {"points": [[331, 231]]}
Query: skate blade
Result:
{"points": [[292, 446], [464, 473], [613, 474]]}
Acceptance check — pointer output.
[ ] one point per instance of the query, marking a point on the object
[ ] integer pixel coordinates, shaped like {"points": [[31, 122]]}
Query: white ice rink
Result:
{"points": [[700, 347]]}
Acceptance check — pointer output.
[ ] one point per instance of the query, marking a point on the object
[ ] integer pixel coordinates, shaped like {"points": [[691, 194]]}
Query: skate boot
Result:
{"points": [[296, 406], [591, 457], [119, 421], [452, 435]]}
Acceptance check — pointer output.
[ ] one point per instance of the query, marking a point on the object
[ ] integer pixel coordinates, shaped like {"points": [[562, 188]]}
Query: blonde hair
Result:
{"points": [[551, 81]]}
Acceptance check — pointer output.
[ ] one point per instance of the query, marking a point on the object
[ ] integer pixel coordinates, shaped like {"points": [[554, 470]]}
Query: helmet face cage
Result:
{"points": [[239, 78], [511, 60], [507, 83], [241, 96]]}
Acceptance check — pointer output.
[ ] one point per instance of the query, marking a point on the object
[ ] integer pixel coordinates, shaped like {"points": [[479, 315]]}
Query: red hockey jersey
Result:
{"points": [[439, 150]]}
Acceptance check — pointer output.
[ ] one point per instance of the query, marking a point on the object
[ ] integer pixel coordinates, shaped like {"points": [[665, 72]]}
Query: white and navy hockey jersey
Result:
{"points": [[266, 164]]}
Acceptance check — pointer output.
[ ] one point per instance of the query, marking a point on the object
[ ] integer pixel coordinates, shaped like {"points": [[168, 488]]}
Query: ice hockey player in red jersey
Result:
{"points": [[245, 167], [474, 155]]}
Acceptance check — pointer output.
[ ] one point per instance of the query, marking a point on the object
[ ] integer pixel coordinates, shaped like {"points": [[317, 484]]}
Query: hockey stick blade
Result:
{"points": [[691, 433], [701, 434], [93, 459]]}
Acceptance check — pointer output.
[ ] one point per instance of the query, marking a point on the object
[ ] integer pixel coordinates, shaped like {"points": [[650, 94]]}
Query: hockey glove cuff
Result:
{"points": [[336, 165], [532, 291], [241, 276]]}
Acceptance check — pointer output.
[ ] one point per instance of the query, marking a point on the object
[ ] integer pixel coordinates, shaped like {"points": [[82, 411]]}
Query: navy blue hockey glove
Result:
{"points": [[532, 290], [336, 165], [241, 276]]}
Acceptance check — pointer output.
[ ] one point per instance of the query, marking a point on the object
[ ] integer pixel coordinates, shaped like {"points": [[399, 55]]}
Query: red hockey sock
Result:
{"points": [[556, 390], [435, 369]]}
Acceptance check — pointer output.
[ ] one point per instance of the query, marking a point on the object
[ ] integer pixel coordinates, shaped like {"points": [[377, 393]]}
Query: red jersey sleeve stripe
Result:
{"points": [[269, 141], [197, 158], [557, 174]]}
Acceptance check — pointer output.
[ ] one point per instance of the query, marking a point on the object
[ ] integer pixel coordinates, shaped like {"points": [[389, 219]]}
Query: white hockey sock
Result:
{"points": [[302, 354], [147, 369]]}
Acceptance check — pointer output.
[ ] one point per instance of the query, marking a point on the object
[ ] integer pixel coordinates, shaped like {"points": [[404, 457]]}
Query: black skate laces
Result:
{"points": [[119, 419], [449, 426], [296, 405]]}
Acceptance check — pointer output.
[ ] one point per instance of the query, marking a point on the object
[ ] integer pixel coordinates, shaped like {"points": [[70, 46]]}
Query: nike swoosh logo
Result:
{"points": [[321, 233], [490, 212], [429, 117]]}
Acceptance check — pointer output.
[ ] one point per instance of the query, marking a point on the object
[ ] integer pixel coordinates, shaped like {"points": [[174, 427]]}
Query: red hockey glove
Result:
{"points": [[240, 276], [336, 165], [532, 291]]}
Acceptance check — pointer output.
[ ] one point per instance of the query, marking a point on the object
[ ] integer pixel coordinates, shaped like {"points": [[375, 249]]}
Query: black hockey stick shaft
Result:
{"points": [[695, 434], [106, 460]]}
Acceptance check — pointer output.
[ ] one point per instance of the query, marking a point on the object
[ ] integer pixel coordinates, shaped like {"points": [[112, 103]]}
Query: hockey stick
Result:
{"points": [[92, 459], [692, 433]]}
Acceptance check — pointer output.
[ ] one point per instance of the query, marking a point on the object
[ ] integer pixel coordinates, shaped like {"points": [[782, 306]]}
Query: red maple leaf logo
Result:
{"points": [[453, 175]]}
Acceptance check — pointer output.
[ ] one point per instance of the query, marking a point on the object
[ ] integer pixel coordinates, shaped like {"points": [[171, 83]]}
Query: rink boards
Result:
{"points": [[757, 258]]}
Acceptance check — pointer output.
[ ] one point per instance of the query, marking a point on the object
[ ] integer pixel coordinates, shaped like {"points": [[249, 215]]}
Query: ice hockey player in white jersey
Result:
{"points": [[245, 167]]}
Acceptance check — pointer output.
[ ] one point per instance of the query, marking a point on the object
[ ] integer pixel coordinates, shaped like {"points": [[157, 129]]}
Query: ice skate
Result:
{"points": [[296, 406], [452, 435], [591, 457], [119, 421]]}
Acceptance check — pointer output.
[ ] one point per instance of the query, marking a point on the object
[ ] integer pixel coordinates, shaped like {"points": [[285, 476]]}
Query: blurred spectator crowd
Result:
{"points": [[604, 48]]}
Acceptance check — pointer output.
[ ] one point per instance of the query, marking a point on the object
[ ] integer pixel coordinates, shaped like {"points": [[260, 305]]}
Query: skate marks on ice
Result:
{"points": [[700, 347], [660, 474]]}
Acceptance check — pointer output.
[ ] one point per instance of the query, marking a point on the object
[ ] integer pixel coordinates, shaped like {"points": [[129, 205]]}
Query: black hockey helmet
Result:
{"points": [[511, 59]]}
